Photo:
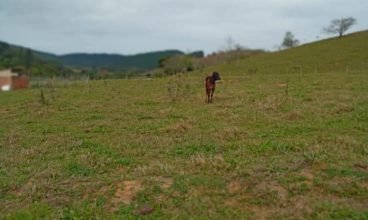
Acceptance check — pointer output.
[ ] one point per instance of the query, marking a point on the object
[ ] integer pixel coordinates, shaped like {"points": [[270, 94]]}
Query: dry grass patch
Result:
{"points": [[268, 193], [12, 139], [270, 103], [164, 182], [179, 127], [210, 162], [299, 206], [342, 108], [156, 168], [231, 134]]}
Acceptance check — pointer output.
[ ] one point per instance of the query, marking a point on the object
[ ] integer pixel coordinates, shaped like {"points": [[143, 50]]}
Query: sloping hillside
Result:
{"points": [[347, 53]]}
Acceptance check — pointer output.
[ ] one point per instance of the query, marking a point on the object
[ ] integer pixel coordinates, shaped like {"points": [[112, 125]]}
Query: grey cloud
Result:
{"points": [[123, 26]]}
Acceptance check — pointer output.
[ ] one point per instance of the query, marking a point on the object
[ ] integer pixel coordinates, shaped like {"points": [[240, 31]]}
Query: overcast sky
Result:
{"points": [[135, 26]]}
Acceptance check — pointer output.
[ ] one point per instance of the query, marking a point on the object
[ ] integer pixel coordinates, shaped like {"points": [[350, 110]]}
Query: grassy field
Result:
{"points": [[286, 137]]}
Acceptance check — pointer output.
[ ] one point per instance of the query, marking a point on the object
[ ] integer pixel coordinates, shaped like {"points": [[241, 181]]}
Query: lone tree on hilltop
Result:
{"points": [[340, 26], [289, 40]]}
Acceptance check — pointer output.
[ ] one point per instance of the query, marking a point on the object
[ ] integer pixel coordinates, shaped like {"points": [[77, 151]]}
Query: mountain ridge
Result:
{"points": [[141, 61]]}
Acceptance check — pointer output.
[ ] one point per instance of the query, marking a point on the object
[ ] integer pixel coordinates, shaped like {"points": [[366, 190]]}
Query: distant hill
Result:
{"points": [[12, 55], [144, 61], [25, 60]]}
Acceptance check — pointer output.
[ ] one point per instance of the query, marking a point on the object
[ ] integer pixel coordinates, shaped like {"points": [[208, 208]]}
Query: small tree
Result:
{"points": [[178, 63], [340, 26], [289, 40]]}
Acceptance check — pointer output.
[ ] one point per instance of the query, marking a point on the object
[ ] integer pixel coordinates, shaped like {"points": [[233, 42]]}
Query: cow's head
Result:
{"points": [[216, 76]]}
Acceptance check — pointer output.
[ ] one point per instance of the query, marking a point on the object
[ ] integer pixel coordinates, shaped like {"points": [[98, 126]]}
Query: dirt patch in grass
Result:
{"points": [[307, 173], [116, 193], [143, 210], [234, 186], [294, 116], [125, 193], [365, 184], [361, 166], [2, 110]]}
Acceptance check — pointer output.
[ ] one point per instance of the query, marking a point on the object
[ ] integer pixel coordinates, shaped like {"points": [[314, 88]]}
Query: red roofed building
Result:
{"points": [[11, 81]]}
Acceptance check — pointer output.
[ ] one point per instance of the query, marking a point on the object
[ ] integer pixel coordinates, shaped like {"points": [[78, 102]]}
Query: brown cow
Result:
{"points": [[210, 85]]}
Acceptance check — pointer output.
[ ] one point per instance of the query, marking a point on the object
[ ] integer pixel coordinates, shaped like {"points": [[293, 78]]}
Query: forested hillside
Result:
{"points": [[24, 59], [43, 63]]}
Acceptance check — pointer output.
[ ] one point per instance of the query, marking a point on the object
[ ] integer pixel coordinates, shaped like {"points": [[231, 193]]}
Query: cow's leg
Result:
{"points": [[207, 96], [212, 91]]}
